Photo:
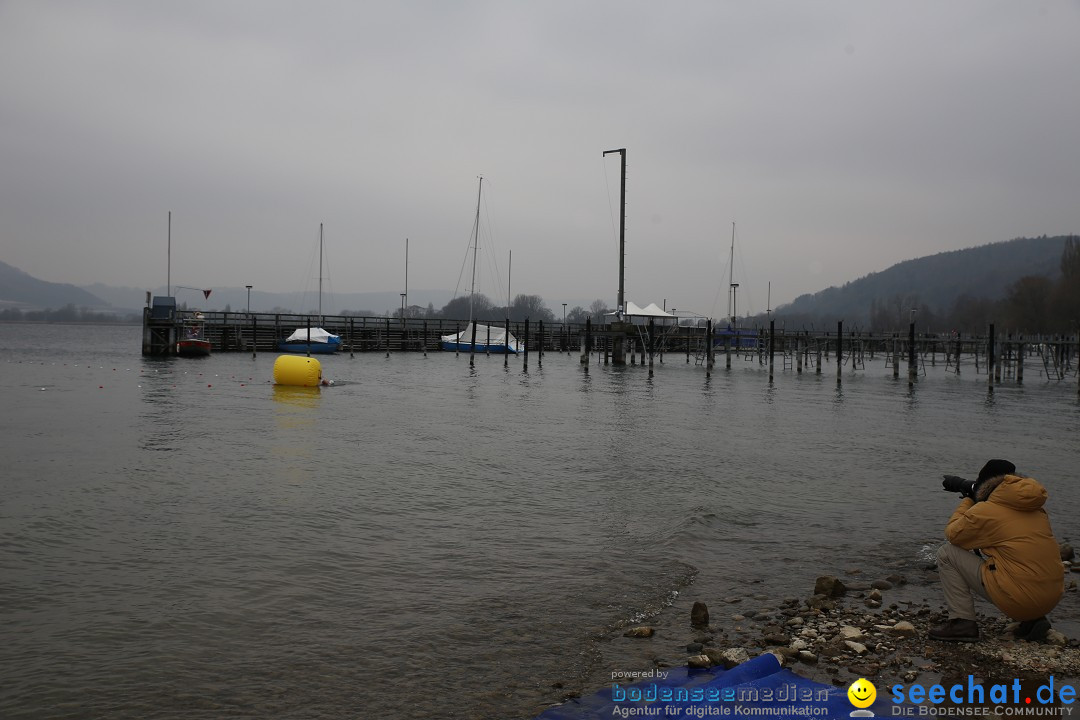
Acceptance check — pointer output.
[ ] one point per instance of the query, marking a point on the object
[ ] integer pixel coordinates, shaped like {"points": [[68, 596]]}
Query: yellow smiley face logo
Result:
{"points": [[861, 693]]}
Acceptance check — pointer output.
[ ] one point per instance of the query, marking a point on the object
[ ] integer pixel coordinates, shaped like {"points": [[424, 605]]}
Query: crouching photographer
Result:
{"points": [[1000, 547]]}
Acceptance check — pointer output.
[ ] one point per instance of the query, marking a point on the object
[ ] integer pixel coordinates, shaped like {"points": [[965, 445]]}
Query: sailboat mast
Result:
{"points": [[320, 273], [476, 242], [168, 259], [731, 274]]}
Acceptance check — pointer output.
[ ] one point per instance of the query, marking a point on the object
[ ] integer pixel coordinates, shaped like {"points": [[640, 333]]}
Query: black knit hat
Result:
{"points": [[995, 468]]}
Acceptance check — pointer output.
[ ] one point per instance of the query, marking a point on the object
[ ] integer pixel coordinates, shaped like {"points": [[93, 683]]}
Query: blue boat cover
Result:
{"points": [[756, 688]]}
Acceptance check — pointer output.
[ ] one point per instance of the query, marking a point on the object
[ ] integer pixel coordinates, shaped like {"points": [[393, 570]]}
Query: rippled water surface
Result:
{"points": [[181, 538]]}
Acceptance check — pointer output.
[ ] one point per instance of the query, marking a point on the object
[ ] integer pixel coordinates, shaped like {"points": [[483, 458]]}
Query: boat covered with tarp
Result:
{"points": [[489, 339], [314, 340]]}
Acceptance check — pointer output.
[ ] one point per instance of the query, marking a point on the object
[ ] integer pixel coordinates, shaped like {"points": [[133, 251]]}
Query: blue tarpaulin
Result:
{"points": [[757, 688]]}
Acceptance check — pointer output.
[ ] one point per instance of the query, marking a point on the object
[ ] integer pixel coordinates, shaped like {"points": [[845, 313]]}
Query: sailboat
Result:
{"points": [[733, 334], [480, 338], [312, 339]]}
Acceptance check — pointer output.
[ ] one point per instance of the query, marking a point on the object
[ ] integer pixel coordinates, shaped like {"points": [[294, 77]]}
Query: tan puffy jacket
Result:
{"points": [[1023, 573]]}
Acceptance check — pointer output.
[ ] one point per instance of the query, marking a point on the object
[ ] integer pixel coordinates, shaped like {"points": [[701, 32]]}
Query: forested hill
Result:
{"points": [[935, 281], [19, 289]]}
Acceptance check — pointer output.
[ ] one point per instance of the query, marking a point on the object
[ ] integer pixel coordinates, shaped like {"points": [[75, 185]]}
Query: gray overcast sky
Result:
{"points": [[841, 137]]}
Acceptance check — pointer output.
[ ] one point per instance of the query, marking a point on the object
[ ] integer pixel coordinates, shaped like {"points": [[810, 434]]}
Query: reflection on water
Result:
{"points": [[300, 397]]}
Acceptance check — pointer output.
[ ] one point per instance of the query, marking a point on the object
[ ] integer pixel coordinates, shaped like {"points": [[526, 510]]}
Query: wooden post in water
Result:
{"points": [[772, 346], [540, 347], [472, 345], [254, 336], [1020, 362], [798, 354], [525, 355], [912, 368], [423, 341], [990, 358], [727, 351], [839, 349], [652, 343], [999, 364], [351, 335], [895, 357], [585, 342], [387, 337], [708, 348], [506, 331], [309, 336]]}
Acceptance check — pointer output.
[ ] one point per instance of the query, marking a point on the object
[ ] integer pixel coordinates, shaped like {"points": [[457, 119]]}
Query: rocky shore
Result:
{"points": [[849, 626], [844, 631]]}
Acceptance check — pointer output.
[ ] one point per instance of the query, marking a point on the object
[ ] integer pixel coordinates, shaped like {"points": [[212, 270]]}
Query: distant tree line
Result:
{"points": [[1033, 304], [531, 307], [1029, 304], [67, 314]]}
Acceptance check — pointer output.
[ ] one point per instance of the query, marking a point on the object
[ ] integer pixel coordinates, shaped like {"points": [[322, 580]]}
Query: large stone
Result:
{"points": [[698, 661], [820, 602], [855, 647], [735, 656], [639, 632], [1067, 552], [850, 632], [1053, 637], [699, 614], [829, 586], [903, 628], [715, 655]]}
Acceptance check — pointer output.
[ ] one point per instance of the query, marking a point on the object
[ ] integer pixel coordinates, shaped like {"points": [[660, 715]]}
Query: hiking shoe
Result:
{"points": [[1033, 630], [956, 630]]}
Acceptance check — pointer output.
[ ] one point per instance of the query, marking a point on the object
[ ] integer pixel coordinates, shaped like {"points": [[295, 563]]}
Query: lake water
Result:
{"points": [[181, 538]]}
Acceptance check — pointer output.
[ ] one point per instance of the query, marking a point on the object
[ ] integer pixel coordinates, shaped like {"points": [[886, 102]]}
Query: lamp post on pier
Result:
{"points": [[566, 337]]}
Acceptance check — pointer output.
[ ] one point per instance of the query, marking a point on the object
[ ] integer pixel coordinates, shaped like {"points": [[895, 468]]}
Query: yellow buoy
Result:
{"points": [[297, 370]]}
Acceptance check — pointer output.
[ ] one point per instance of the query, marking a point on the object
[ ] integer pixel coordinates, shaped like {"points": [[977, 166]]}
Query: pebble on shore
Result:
{"points": [[839, 634]]}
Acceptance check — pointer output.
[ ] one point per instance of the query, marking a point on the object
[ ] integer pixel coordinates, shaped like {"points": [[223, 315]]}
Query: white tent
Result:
{"points": [[642, 315]]}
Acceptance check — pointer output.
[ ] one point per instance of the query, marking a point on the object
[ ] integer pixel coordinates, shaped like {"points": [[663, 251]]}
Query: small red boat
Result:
{"points": [[193, 342]]}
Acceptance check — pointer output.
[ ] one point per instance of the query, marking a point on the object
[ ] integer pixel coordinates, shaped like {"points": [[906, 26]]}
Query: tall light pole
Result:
{"points": [[565, 332], [249, 299], [622, 225], [403, 308]]}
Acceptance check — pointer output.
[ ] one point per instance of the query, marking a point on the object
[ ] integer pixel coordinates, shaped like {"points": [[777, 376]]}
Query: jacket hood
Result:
{"points": [[1013, 491]]}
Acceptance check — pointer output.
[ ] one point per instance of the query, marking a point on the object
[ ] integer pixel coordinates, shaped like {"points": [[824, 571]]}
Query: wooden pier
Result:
{"points": [[999, 356], [262, 332]]}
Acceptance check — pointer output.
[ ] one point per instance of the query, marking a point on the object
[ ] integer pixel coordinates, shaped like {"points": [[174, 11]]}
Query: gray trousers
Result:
{"points": [[960, 572]]}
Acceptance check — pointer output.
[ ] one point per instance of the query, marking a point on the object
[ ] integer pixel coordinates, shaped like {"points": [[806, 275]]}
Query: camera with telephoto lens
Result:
{"points": [[957, 484]]}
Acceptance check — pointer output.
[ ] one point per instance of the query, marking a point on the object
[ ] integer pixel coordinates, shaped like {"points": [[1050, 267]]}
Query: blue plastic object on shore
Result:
{"points": [[758, 687]]}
